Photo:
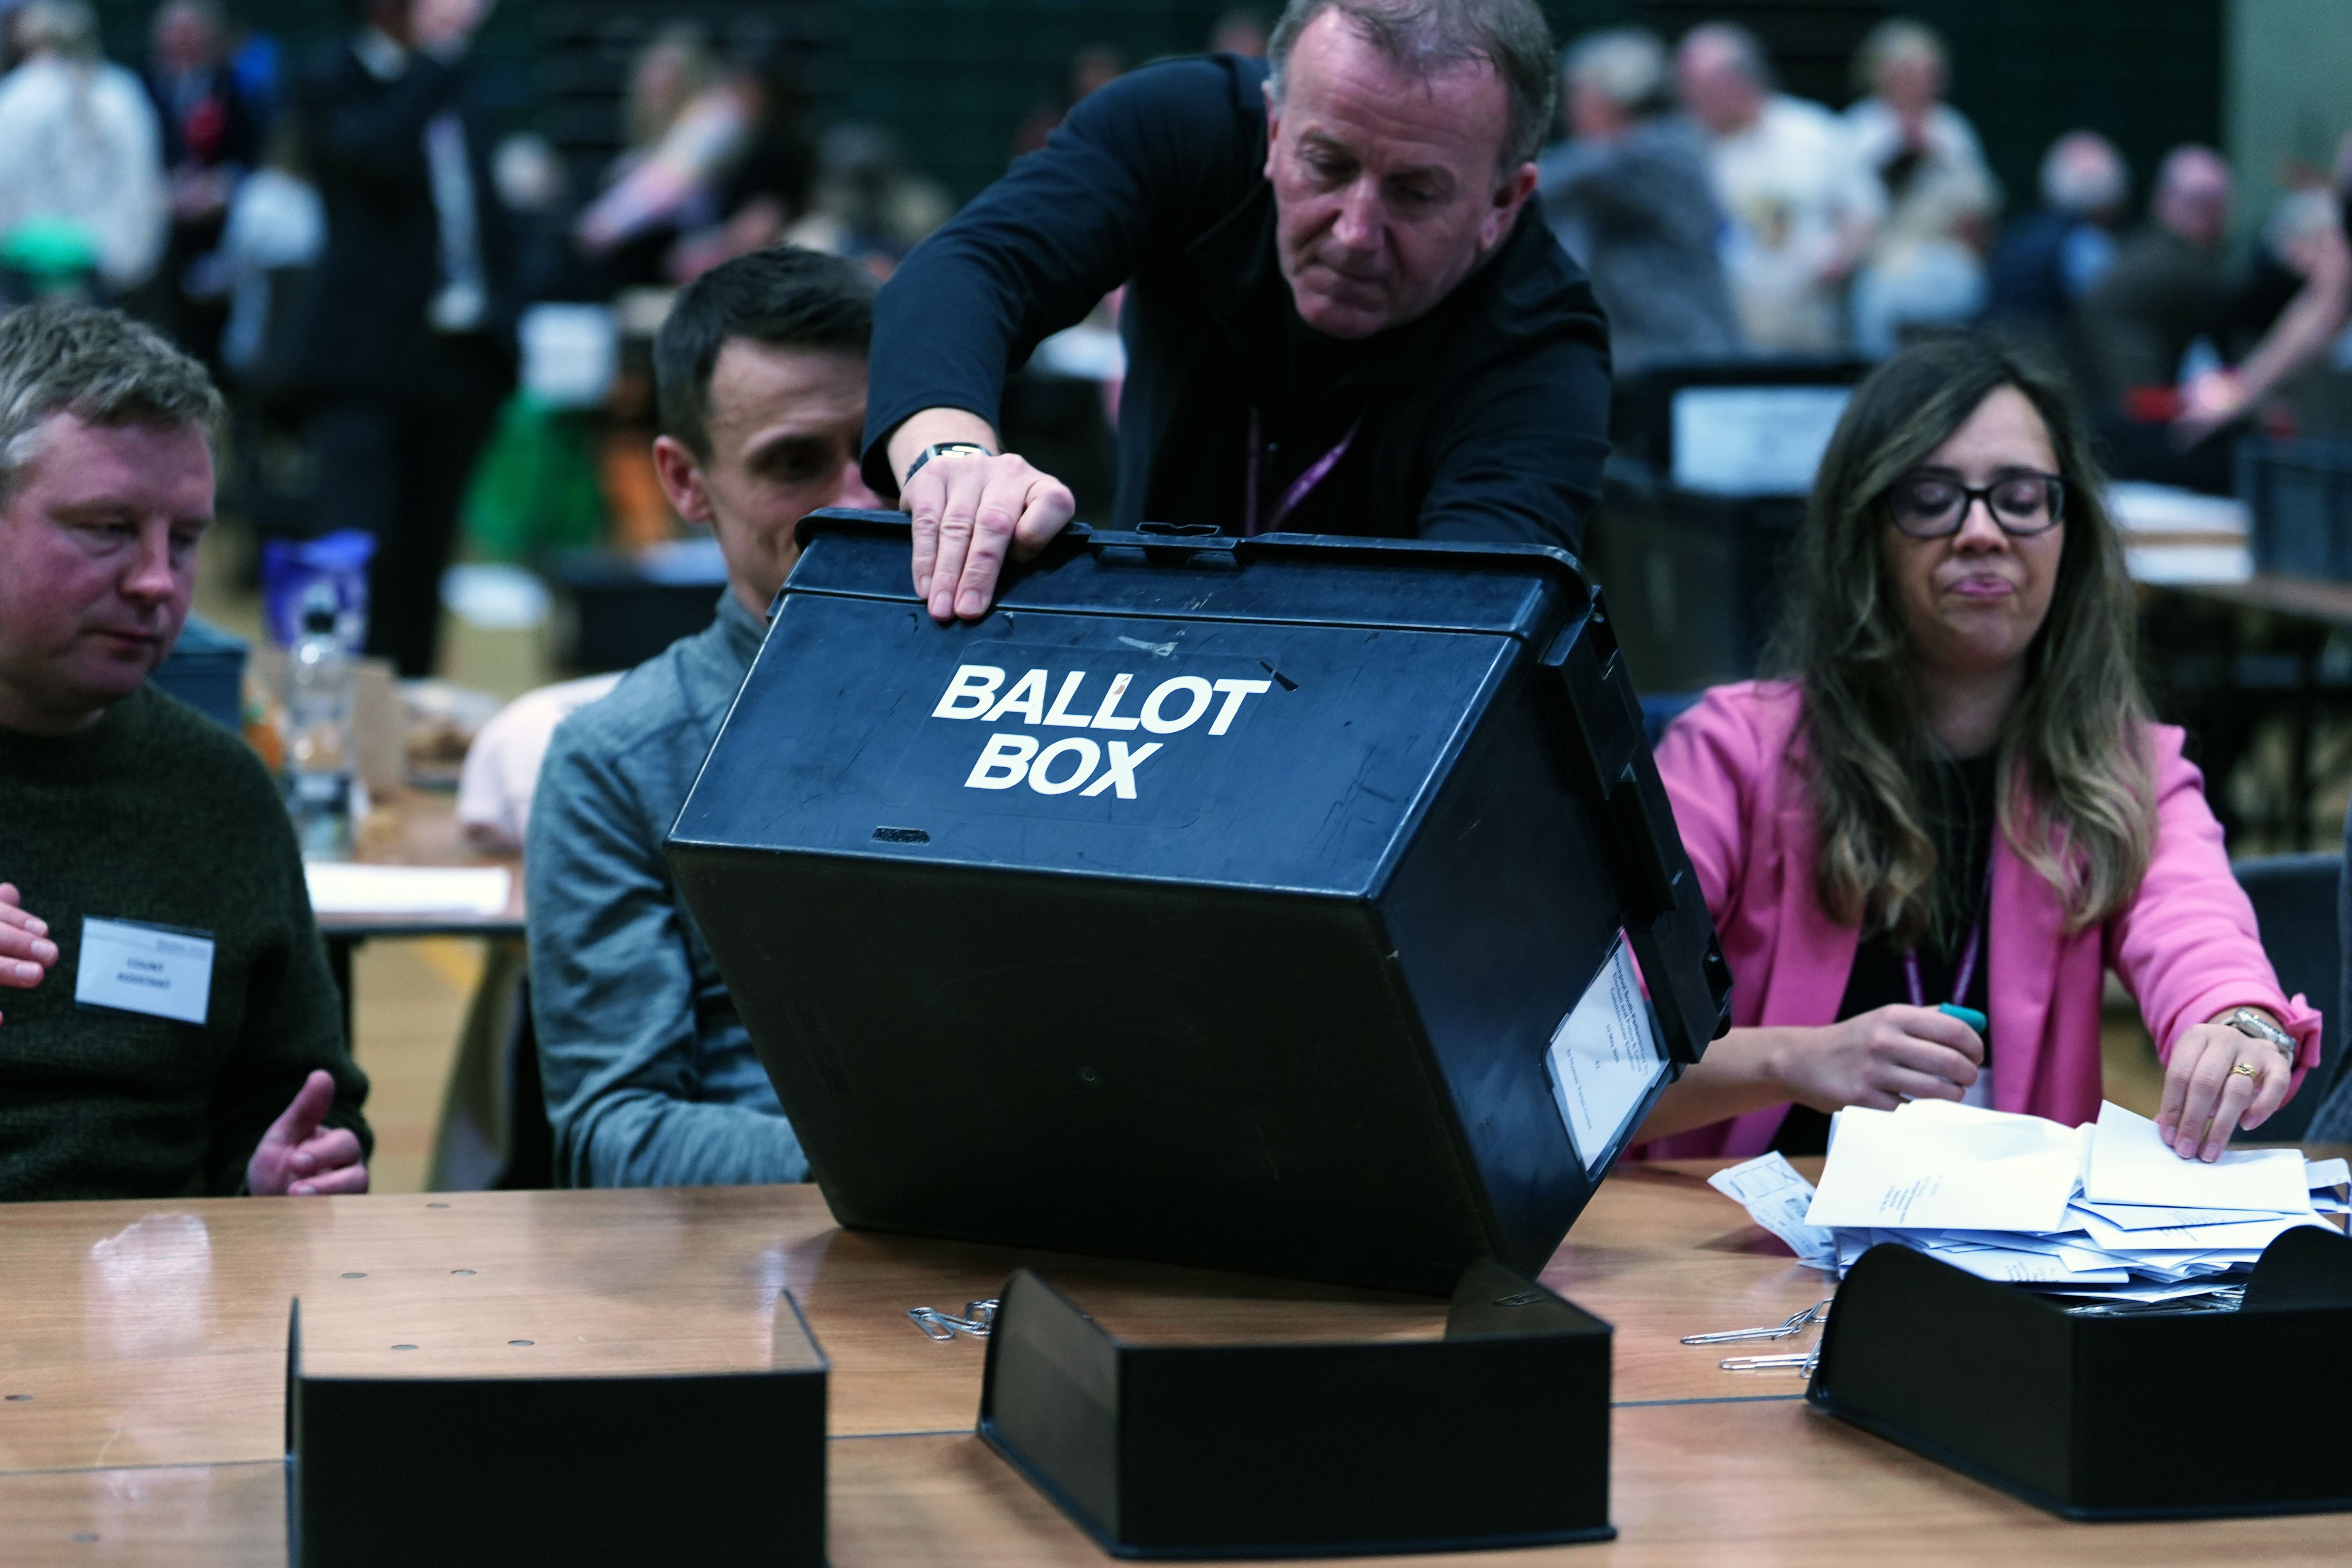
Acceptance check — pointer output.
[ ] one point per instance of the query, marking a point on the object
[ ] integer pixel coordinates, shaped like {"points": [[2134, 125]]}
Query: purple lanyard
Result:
{"points": [[1968, 969], [1299, 487]]}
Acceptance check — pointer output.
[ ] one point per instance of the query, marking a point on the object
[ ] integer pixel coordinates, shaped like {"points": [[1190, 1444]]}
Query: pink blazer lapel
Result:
{"points": [[2021, 954], [1816, 956], [1813, 956]]}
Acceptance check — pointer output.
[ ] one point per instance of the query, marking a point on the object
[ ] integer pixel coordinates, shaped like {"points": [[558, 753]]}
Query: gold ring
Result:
{"points": [[2249, 1069]]}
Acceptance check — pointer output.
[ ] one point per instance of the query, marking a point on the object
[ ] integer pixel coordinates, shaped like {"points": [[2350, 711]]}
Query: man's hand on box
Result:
{"points": [[971, 512]]}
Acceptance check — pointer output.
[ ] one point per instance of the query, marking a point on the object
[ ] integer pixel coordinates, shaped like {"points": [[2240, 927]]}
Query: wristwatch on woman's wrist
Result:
{"points": [[2246, 1020], [933, 451]]}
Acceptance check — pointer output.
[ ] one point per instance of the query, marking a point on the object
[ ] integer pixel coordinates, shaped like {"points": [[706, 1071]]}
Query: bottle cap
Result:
{"points": [[320, 610]]}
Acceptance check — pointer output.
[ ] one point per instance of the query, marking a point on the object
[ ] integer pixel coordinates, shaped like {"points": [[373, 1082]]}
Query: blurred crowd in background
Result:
{"points": [[1720, 215], [450, 357]]}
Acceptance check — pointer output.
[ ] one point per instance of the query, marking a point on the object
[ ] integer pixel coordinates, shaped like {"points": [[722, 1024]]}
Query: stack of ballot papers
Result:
{"points": [[2102, 1209]]}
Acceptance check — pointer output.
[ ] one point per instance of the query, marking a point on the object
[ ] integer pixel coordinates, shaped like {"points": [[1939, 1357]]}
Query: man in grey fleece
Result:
{"points": [[651, 1079], [1629, 198]]}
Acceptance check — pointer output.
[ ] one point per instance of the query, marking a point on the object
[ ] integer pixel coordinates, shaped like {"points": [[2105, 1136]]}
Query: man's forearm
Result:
{"points": [[930, 428], [2311, 320], [643, 1138]]}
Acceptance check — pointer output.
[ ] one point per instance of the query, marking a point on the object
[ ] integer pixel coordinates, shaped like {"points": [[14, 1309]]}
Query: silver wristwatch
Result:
{"points": [[939, 447], [2246, 1020]]}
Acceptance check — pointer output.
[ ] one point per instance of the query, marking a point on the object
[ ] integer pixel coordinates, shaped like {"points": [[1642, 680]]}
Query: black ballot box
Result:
{"points": [[1265, 904]]}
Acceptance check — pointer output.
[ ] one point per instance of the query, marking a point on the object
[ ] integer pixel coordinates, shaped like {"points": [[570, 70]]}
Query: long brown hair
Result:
{"points": [[2077, 796]]}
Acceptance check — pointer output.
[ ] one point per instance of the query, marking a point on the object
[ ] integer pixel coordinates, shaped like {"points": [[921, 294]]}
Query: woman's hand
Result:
{"points": [[1880, 1059], [2206, 1098]]}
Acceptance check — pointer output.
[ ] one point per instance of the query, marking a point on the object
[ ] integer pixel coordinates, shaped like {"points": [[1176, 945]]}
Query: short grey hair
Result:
{"points": [[1427, 37], [70, 27], [1897, 38], [1742, 49], [2082, 173], [1627, 66], [101, 367]]}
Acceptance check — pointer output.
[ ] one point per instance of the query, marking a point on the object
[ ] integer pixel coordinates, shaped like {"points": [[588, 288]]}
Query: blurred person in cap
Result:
{"points": [[650, 1077], [2050, 259], [1343, 314], [172, 1029], [1924, 265], [81, 171], [1630, 199], [407, 346], [1802, 208]]}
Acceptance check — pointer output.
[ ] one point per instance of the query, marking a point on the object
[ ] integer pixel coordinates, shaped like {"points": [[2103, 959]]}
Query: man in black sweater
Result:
{"points": [[1341, 315], [174, 1030]]}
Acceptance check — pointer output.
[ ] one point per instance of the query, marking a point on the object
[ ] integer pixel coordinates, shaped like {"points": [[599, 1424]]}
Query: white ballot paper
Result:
{"points": [[1777, 1197], [2318, 1173], [1950, 1167], [2130, 1164], [340, 888], [2000, 1196], [1604, 1056]]}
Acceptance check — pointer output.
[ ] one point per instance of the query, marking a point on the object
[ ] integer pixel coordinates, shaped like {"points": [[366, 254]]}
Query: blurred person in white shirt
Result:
{"points": [[1801, 208], [1926, 263], [79, 145]]}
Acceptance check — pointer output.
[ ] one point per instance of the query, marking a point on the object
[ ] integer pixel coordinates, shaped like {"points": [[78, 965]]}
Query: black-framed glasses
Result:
{"points": [[1931, 506]]}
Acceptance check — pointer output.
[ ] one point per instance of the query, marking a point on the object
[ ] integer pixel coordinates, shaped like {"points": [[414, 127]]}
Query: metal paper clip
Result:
{"points": [[1804, 1363], [978, 1319], [1819, 1312]]}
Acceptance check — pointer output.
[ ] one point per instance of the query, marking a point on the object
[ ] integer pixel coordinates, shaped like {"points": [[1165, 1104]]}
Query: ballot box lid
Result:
{"points": [[1262, 680], [1213, 900]]}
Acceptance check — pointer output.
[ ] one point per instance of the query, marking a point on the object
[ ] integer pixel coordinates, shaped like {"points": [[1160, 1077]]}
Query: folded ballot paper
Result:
{"points": [[2102, 1209]]}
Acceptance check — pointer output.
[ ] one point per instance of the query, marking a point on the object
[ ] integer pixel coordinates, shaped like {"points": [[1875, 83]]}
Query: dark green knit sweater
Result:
{"points": [[158, 815]]}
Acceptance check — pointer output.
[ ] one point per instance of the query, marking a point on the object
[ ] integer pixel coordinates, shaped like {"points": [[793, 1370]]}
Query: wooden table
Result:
{"points": [[142, 1370]]}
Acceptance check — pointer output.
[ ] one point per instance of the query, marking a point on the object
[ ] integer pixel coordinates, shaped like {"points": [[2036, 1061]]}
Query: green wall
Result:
{"points": [[2287, 95]]}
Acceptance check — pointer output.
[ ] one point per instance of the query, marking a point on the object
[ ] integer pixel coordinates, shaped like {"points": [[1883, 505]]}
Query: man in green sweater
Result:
{"points": [[176, 1031]]}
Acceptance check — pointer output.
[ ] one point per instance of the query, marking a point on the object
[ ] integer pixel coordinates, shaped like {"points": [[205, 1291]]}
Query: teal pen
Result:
{"points": [[1969, 1015]]}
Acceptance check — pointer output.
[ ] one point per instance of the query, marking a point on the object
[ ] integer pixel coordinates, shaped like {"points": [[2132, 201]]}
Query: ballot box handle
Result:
{"points": [[1598, 721]]}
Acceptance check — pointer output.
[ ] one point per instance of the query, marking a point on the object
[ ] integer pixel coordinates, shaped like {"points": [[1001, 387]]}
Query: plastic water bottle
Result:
{"points": [[319, 755]]}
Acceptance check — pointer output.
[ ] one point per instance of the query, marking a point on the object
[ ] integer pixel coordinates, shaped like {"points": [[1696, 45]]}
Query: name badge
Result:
{"points": [[161, 971]]}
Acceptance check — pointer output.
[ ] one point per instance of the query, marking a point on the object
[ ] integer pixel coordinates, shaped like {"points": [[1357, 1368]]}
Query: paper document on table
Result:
{"points": [[2318, 1173], [1604, 1058], [2027, 1268], [2136, 1217], [2249, 1233], [2130, 1163], [2145, 1294], [1776, 1197], [1949, 1168], [338, 888]]}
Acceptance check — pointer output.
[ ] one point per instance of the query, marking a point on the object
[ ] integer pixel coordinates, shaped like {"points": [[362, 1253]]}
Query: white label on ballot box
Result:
{"points": [[1604, 1058], [155, 970]]}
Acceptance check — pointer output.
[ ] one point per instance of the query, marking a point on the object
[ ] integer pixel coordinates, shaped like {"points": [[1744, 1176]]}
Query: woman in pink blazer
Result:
{"points": [[1957, 796]]}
